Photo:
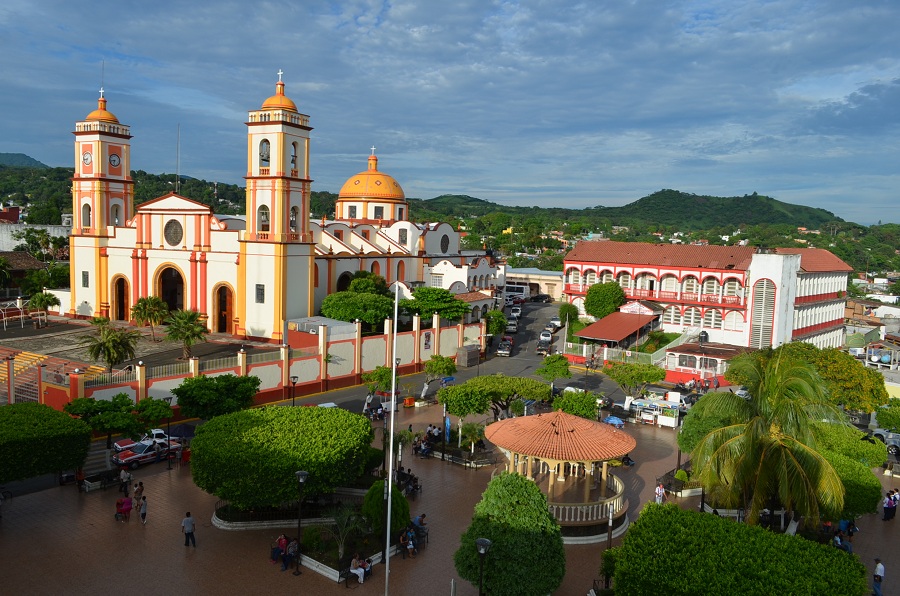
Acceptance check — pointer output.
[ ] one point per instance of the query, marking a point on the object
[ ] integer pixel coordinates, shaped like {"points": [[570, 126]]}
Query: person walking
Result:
{"points": [[124, 480], [660, 493], [878, 578], [187, 526], [143, 510], [887, 505]]}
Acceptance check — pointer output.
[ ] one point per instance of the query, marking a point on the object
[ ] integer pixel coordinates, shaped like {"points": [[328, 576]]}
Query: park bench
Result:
{"points": [[101, 480], [349, 579]]}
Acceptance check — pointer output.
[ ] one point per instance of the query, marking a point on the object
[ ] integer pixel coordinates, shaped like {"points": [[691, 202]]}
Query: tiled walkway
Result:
{"points": [[61, 541]]}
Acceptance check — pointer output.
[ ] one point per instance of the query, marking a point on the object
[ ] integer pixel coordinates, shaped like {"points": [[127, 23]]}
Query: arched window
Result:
{"points": [[733, 321], [401, 271], [85, 216], [710, 285], [624, 280], [672, 316], [572, 276], [712, 319], [264, 150], [294, 156], [692, 317], [376, 268], [114, 213], [590, 277], [295, 215], [668, 283], [262, 219], [606, 277], [690, 285]]}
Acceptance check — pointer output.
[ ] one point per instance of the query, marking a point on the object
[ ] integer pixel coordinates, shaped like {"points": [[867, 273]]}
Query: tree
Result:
{"points": [[725, 555], [54, 277], [373, 509], [364, 282], [889, 416], [848, 382], [767, 454], [439, 367], [463, 400], [471, 433], [495, 322], [633, 379], [27, 429], [577, 403], [150, 310], [371, 309], [503, 390], [112, 416], [513, 515], [109, 344], [427, 301], [604, 299], [207, 397], [345, 521], [149, 411], [380, 379], [185, 327], [554, 367], [5, 275], [41, 302], [250, 457], [568, 313]]}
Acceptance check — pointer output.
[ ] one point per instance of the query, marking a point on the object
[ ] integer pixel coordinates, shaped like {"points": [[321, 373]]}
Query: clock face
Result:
{"points": [[86, 158], [114, 160]]}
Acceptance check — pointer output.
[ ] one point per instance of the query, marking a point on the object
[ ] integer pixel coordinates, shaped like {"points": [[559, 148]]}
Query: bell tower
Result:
{"points": [[276, 257]]}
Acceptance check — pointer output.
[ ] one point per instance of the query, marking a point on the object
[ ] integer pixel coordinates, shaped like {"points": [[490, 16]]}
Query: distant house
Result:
{"points": [[20, 263]]}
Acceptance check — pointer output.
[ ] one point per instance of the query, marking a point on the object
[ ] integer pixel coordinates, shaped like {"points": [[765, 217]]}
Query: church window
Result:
{"points": [[437, 281], [400, 213], [295, 213], [264, 149], [293, 156], [173, 232], [114, 215], [85, 279], [404, 237], [85, 216], [262, 219], [379, 212], [351, 211], [445, 243], [260, 294]]}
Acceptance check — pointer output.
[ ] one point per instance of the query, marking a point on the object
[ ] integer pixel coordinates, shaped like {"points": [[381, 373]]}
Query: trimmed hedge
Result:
{"points": [[250, 457], [36, 439], [676, 552]]}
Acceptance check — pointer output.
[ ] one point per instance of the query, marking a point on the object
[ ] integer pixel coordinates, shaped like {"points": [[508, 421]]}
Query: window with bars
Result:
{"points": [[260, 294]]}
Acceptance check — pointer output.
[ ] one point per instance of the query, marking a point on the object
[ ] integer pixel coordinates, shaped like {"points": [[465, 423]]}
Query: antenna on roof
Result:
{"points": [[177, 158]]}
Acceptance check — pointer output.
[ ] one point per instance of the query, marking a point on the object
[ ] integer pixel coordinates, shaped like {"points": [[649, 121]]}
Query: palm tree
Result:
{"points": [[767, 454], [109, 344], [185, 326], [41, 302], [151, 310]]}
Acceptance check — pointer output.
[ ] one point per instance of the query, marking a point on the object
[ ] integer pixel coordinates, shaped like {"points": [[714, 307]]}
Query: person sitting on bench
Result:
{"points": [[358, 567], [425, 448]]}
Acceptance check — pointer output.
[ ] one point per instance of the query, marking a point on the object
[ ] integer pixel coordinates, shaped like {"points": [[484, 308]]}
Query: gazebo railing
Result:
{"points": [[592, 512]]}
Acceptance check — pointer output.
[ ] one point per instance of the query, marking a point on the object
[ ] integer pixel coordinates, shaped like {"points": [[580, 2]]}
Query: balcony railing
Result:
{"points": [[574, 514]]}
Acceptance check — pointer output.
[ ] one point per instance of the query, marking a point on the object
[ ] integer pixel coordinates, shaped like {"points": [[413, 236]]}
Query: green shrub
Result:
{"points": [[36, 439], [312, 540], [681, 475], [373, 509]]}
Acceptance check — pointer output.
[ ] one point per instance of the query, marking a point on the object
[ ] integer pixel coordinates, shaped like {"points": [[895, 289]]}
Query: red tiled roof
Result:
{"points": [[473, 296], [816, 260], [561, 437], [615, 326], [666, 255], [22, 261]]}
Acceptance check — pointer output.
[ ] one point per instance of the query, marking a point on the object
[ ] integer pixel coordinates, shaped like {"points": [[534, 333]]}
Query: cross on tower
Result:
{"points": [[279, 74], [373, 149], [101, 91]]}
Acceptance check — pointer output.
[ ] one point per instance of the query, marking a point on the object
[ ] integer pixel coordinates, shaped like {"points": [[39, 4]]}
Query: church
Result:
{"points": [[249, 276]]}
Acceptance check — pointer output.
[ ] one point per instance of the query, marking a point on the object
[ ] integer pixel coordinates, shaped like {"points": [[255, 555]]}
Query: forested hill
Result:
{"points": [[47, 193], [20, 160]]}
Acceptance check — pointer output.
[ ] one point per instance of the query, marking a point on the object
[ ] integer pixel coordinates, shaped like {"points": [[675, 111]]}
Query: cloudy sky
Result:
{"points": [[531, 102]]}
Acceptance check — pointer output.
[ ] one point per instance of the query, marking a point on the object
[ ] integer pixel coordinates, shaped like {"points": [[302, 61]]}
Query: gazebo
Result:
{"points": [[568, 452]]}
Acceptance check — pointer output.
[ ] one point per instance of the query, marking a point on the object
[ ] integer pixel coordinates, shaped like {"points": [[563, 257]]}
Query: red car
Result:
{"points": [[518, 300], [144, 453], [157, 434]]}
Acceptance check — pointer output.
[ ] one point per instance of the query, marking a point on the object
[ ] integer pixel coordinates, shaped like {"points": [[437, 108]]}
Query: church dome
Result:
{"points": [[372, 184], [101, 112], [279, 101]]}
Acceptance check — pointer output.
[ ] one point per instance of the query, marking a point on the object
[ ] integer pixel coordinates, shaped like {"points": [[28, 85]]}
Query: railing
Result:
{"points": [[264, 357], [111, 378], [593, 512], [169, 370], [219, 363], [664, 295]]}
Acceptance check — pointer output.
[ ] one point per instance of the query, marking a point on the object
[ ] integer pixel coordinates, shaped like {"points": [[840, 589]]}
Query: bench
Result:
{"points": [[346, 577], [101, 480]]}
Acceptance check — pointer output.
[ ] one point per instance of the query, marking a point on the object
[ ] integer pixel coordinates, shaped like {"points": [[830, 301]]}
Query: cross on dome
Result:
{"points": [[373, 149], [101, 91], [280, 72]]}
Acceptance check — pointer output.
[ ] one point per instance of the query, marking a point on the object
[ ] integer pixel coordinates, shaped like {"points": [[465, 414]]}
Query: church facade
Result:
{"points": [[247, 276]]}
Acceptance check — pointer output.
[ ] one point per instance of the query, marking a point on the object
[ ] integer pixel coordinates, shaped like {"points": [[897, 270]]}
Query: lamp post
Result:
{"points": [[483, 545], [301, 479], [169, 433], [294, 380]]}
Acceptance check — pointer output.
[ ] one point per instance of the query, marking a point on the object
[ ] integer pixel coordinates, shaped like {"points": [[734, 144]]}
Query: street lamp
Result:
{"points": [[169, 433], [483, 545], [294, 380], [301, 478]]}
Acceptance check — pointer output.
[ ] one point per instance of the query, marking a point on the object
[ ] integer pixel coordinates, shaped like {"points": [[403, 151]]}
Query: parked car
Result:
{"points": [[544, 348], [512, 326], [556, 322], [545, 336], [550, 327], [542, 298], [505, 348], [144, 453], [518, 299], [516, 311], [157, 434], [889, 438]]}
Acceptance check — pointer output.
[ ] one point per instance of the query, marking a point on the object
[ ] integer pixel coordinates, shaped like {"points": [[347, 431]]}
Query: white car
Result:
{"points": [[545, 336], [516, 311], [556, 322]]}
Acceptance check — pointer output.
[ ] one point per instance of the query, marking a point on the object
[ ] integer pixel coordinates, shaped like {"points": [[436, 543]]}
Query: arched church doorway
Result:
{"points": [[121, 310], [343, 283], [171, 288], [224, 304]]}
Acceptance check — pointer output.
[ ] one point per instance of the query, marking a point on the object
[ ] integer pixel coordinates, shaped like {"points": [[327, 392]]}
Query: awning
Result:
{"points": [[615, 327]]}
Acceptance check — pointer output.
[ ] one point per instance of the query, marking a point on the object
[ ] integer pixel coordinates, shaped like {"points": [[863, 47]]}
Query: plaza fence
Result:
{"points": [[169, 370], [128, 375], [219, 363]]}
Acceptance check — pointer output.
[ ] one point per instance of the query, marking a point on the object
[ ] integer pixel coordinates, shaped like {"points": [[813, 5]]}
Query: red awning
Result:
{"points": [[615, 327]]}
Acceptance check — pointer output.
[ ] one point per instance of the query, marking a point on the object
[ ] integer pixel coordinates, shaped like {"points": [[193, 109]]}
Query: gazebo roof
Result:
{"points": [[559, 436]]}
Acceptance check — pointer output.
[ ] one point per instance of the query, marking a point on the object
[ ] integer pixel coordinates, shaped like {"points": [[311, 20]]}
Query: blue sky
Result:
{"points": [[543, 102]]}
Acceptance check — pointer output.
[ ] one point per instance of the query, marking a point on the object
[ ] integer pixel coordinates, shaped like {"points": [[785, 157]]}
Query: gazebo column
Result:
{"points": [[529, 469], [511, 466], [603, 477], [588, 482]]}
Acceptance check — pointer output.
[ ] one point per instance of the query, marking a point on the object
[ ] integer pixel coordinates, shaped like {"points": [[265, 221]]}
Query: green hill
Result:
{"points": [[20, 160]]}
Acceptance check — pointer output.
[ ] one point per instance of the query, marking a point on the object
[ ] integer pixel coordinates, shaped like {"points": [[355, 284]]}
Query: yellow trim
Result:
{"points": [[240, 311]]}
